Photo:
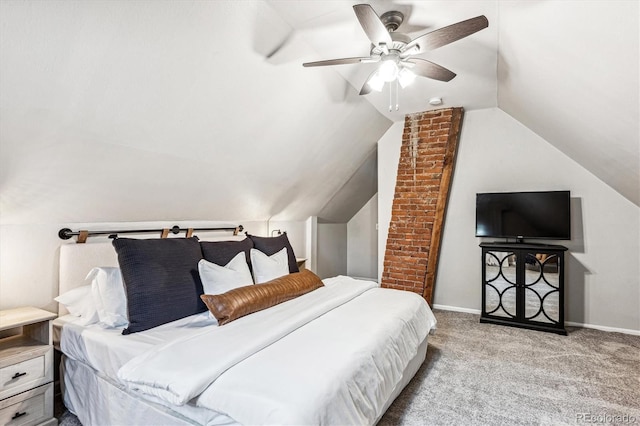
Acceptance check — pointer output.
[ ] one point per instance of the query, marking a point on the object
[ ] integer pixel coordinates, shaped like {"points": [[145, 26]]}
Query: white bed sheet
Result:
{"points": [[97, 400], [341, 368], [94, 356], [105, 351]]}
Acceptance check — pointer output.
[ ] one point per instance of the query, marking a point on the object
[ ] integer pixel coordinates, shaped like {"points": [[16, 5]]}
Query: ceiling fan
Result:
{"points": [[395, 51]]}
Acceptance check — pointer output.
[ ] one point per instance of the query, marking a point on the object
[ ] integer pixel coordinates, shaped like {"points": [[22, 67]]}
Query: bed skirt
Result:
{"points": [[96, 399]]}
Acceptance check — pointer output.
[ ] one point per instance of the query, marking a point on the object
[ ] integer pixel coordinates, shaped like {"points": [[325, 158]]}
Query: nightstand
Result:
{"points": [[26, 367]]}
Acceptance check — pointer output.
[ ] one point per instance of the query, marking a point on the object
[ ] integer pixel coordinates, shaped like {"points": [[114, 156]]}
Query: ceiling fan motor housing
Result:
{"points": [[392, 20]]}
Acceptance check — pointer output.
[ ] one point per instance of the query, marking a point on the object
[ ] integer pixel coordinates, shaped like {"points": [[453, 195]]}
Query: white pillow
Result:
{"points": [[79, 302], [218, 279], [266, 268], [107, 287]]}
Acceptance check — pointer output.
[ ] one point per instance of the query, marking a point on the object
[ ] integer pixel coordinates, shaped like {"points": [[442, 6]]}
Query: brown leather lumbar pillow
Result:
{"points": [[242, 301]]}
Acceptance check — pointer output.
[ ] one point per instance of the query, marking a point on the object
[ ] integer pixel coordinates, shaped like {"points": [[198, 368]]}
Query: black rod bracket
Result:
{"points": [[65, 233]]}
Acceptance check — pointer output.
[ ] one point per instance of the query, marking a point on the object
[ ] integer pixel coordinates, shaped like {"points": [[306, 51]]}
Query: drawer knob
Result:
{"points": [[16, 415], [15, 376]]}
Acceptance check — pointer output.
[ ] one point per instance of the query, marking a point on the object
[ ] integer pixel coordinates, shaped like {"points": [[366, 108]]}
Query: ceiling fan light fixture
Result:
{"points": [[405, 77], [388, 70], [376, 82]]}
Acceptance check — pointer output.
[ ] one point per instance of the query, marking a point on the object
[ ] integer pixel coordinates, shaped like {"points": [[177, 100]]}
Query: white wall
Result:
{"points": [[388, 158], [127, 112], [311, 243], [362, 242], [30, 255], [137, 111], [497, 153], [296, 233], [332, 250]]}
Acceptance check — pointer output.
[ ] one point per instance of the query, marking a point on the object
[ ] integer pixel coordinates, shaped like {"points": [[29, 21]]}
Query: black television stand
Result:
{"points": [[523, 285]]}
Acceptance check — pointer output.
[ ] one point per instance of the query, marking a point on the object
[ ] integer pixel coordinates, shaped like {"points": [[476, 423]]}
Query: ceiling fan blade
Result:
{"points": [[446, 35], [366, 89], [340, 61], [372, 25], [428, 69]]}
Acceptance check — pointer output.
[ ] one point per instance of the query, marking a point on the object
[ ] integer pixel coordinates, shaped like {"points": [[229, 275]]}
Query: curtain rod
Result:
{"points": [[66, 233]]}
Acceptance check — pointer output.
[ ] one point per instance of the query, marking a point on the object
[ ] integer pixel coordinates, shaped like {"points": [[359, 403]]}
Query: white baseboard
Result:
{"points": [[569, 323], [375, 280], [604, 328], [457, 309]]}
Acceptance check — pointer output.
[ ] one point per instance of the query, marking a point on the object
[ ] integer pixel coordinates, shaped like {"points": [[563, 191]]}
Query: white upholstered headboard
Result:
{"points": [[76, 260]]}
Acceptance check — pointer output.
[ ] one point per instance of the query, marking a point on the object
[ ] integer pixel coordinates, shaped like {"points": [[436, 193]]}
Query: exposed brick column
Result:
{"points": [[427, 157]]}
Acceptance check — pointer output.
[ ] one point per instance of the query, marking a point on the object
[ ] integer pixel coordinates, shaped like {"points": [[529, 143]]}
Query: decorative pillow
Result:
{"points": [[221, 252], [79, 302], [266, 268], [218, 279], [109, 296], [161, 280], [242, 301], [271, 245]]}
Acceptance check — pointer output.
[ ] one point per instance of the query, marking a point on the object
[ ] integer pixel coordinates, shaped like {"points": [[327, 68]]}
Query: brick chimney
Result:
{"points": [[427, 158]]}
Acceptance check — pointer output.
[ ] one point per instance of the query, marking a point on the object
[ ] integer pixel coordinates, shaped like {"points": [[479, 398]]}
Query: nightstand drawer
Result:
{"points": [[28, 408], [26, 367], [24, 375]]}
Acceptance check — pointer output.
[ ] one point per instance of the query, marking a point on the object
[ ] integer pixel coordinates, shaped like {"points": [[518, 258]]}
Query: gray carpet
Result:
{"points": [[68, 419], [482, 374]]}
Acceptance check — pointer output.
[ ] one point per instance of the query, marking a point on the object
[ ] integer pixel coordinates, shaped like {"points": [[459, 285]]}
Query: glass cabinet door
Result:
{"points": [[523, 285], [541, 287], [500, 284]]}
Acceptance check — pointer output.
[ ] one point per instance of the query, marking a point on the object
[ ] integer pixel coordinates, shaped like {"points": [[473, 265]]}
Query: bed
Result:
{"points": [[339, 354]]}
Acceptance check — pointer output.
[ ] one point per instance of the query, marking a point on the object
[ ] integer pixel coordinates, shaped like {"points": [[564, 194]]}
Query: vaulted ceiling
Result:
{"points": [[570, 72], [567, 70], [178, 110]]}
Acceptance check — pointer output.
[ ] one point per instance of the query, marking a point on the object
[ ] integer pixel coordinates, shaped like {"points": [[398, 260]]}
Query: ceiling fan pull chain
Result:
{"points": [[393, 95], [396, 83]]}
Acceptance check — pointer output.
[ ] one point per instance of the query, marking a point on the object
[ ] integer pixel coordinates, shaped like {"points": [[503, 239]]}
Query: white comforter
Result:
{"points": [[332, 356]]}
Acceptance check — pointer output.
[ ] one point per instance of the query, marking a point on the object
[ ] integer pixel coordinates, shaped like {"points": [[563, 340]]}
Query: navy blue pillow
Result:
{"points": [[272, 245], [221, 252], [161, 280]]}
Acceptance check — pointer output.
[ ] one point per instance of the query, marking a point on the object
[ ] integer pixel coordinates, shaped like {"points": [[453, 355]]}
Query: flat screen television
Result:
{"points": [[520, 215]]}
